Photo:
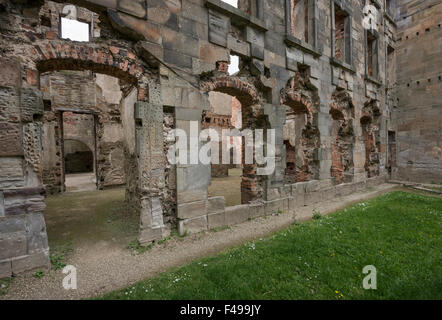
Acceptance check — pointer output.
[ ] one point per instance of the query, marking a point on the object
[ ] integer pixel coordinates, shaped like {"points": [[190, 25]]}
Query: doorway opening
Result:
{"points": [[79, 151], [301, 135], [88, 144], [88, 126], [225, 117]]}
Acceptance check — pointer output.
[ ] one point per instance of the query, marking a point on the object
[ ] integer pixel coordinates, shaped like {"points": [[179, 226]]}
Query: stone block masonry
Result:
{"points": [[416, 120], [304, 71], [23, 239]]}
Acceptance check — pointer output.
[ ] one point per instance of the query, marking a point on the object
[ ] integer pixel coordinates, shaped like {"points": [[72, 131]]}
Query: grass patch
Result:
{"points": [[4, 285], [398, 233]]}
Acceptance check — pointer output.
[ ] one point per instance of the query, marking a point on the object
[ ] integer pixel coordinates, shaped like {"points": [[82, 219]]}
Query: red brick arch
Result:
{"points": [[342, 112], [341, 106], [114, 61], [248, 96], [370, 122], [298, 102], [302, 98], [300, 95], [234, 86]]}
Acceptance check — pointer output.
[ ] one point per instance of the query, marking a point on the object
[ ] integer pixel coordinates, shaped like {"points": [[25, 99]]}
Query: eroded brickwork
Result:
{"points": [[315, 75]]}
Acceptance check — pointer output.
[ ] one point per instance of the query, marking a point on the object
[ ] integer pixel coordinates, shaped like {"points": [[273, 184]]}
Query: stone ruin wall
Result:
{"points": [[95, 101], [168, 55], [416, 119]]}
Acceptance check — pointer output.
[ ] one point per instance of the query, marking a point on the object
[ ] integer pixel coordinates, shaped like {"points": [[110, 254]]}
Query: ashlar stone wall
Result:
{"points": [[327, 91]]}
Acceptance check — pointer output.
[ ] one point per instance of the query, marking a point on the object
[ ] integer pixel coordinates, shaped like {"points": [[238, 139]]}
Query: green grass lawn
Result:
{"points": [[399, 233]]}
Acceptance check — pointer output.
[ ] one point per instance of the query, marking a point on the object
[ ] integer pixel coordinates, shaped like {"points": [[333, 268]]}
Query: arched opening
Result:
{"points": [[78, 157], [301, 136], [370, 123], [41, 103], [95, 109], [88, 141], [225, 117], [241, 104], [342, 137]]}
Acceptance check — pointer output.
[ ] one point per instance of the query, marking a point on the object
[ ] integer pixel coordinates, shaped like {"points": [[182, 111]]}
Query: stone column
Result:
{"points": [[23, 239], [193, 181], [151, 164], [277, 115]]}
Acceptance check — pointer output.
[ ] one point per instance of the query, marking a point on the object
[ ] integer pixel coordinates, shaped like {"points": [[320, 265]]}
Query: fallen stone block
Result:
{"points": [[216, 204], [12, 245], [216, 220], [30, 262], [274, 207], [192, 209], [194, 225], [5, 269], [237, 214]]}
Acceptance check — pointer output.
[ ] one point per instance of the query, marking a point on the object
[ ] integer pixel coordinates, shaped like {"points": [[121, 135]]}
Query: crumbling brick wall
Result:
{"points": [[343, 137], [173, 58], [370, 122], [302, 99]]}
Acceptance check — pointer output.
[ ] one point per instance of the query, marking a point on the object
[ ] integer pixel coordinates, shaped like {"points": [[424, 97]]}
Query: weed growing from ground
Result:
{"points": [[137, 248], [4, 285], [317, 215], [58, 255]]}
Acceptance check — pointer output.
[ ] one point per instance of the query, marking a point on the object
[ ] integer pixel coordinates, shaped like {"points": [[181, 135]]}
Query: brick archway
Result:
{"points": [[252, 186], [370, 122], [113, 61], [133, 73], [341, 111], [233, 86], [303, 100], [301, 96]]}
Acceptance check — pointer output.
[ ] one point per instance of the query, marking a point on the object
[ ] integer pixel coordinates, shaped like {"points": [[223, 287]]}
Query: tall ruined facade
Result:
{"points": [[331, 88], [416, 116]]}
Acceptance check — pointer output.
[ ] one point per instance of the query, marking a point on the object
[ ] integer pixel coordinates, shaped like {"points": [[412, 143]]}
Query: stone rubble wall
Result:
{"points": [[174, 52]]}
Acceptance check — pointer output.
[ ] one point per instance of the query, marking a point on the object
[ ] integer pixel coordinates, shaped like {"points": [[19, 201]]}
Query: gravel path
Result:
{"points": [[102, 268]]}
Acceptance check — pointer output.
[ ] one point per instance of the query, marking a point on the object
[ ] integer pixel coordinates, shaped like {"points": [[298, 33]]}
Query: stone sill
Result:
{"points": [[302, 45], [238, 16], [373, 80], [342, 65]]}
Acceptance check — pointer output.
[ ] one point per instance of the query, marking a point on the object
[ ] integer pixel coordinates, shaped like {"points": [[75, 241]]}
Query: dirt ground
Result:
{"points": [[86, 218], [77, 182], [99, 243], [229, 187]]}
